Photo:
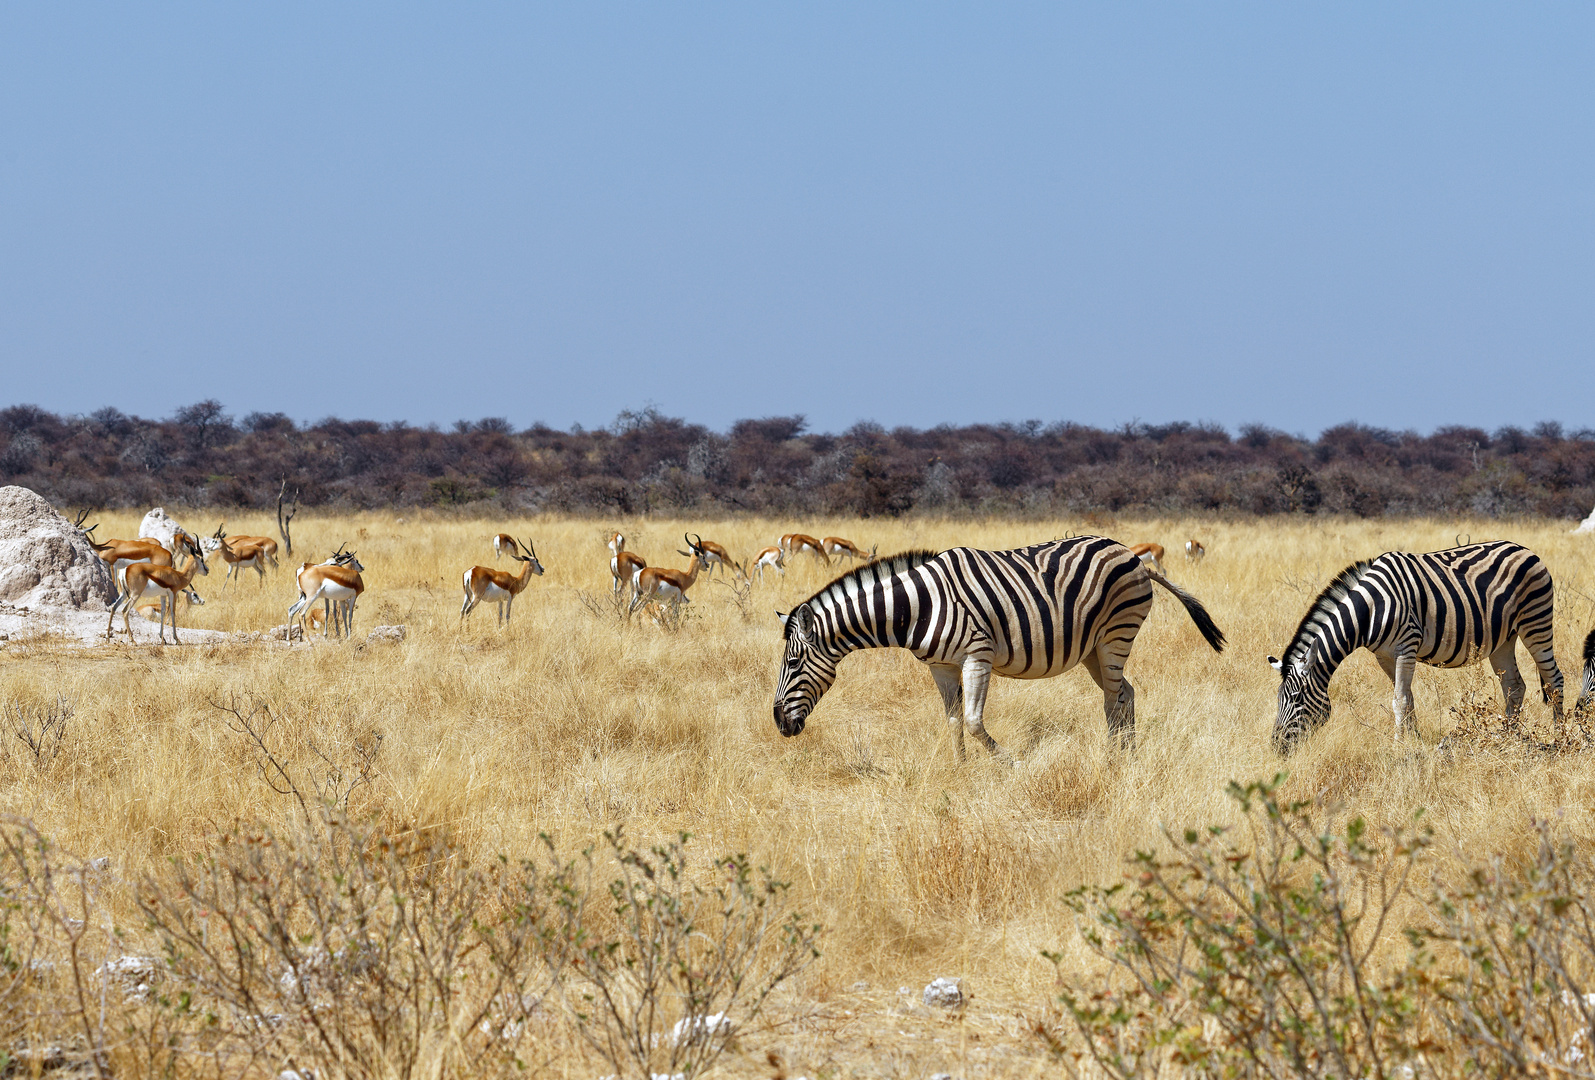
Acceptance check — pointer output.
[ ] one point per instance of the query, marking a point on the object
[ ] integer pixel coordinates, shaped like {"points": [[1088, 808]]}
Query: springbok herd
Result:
{"points": [[967, 613]]}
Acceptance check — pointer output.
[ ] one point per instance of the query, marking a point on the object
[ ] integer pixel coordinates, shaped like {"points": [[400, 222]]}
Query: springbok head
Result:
{"points": [[529, 557], [697, 548]]}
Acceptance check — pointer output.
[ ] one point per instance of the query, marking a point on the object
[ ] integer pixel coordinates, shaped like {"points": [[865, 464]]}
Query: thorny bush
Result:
{"points": [[1290, 946]]}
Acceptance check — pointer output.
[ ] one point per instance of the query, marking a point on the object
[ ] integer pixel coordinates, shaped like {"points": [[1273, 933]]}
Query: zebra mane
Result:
{"points": [[1319, 611], [1589, 647], [883, 567]]}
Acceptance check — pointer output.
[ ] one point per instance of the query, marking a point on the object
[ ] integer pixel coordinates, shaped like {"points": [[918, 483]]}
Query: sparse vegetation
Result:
{"points": [[432, 768]]}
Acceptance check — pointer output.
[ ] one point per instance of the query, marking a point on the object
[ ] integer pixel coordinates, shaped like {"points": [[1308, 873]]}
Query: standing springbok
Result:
{"points": [[835, 545], [503, 544], [658, 584], [797, 543], [770, 557], [1149, 553], [338, 583], [1194, 550], [267, 546], [146, 581], [239, 557], [623, 564], [480, 584]]}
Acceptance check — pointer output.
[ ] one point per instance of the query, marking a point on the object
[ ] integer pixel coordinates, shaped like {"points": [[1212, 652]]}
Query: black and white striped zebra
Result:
{"points": [[1586, 692], [1444, 608], [1030, 613]]}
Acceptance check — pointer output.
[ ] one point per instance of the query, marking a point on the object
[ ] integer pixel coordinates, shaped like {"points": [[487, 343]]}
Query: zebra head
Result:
{"points": [[1303, 704], [807, 671]]}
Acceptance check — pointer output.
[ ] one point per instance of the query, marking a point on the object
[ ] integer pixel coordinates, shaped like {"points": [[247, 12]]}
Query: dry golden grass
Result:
{"points": [[568, 723]]}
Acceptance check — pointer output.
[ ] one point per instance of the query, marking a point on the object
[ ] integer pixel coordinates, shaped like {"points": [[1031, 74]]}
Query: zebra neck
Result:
{"points": [[859, 623]]}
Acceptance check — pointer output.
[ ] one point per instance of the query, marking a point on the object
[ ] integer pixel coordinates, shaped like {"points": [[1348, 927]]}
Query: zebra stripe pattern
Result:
{"points": [[1586, 692], [1444, 608], [1029, 613]]}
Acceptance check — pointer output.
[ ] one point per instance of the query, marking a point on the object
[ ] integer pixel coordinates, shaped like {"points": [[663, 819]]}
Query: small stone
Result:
{"points": [[945, 993], [860, 987], [100, 865], [388, 633]]}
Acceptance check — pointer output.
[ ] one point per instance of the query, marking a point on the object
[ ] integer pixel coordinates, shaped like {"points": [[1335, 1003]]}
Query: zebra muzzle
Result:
{"points": [[789, 723]]}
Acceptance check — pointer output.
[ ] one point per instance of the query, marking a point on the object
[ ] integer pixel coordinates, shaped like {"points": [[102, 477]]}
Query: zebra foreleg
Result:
{"points": [[950, 681], [1399, 667], [977, 678], [1503, 662]]}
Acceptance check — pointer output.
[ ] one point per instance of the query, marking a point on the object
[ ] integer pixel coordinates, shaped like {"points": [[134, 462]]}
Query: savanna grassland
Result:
{"points": [[572, 721]]}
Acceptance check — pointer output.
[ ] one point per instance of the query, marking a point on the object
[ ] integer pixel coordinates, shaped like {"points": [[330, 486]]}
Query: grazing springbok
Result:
{"points": [[267, 546], [658, 584], [146, 581], [770, 557], [503, 544], [716, 557], [835, 545], [239, 557], [797, 543], [623, 564], [1194, 550], [338, 582], [1149, 553], [480, 584]]}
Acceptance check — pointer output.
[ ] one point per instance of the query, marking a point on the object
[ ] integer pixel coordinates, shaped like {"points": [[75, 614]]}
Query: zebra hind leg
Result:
{"points": [[1551, 686], [1503, 661], [1118, 696], [950, 682]]}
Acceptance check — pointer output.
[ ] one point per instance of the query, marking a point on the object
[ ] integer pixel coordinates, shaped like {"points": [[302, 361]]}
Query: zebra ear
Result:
{"points": [[783, 616], [1273, 662]]}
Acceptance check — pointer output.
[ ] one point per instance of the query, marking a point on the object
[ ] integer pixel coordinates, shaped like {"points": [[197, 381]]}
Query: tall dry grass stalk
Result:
{"points": [[573, 721]]}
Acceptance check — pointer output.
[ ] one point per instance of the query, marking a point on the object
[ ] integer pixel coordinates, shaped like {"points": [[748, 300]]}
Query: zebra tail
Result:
{"points": [[1589, 647], [1204, 622]]}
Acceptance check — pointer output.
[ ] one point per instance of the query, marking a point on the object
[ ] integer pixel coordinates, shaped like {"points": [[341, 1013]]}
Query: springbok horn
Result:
{"points": [[530, 550]]}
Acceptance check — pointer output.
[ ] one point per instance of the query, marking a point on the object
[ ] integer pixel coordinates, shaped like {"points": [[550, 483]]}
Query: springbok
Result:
{"points": [[239, 557], [623, 564], [797, 543], [480, 584], [503, 544], [150, 607], [267, 546], [147, 581], [658, 584], [337, 582], [1149, 553], [772, 557], [1194, 550], [835, 545], [118, 555], [715, 557]]}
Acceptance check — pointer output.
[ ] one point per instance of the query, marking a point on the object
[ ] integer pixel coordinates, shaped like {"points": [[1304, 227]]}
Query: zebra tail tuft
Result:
{"points": [[1204, 622], [1589, 647]]}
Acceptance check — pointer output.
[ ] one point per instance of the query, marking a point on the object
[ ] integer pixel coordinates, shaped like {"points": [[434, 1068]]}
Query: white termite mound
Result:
{"points": [[44, 560], [158, 525]]}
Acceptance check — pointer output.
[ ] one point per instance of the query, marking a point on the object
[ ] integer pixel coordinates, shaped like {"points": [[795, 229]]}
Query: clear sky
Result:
{"points": [[1297, 214]]}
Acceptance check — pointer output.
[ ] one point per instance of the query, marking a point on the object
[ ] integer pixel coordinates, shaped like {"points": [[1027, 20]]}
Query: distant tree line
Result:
{"points": [[647, 462]]}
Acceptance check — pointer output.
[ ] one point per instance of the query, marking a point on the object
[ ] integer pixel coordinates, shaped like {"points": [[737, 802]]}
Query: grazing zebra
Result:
{"points": [[1444, 608], [1030, 613], [1586, 692]]}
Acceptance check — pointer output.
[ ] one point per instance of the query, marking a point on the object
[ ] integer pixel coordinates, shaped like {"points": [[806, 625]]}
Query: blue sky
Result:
{"points": [[916, 214]]}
